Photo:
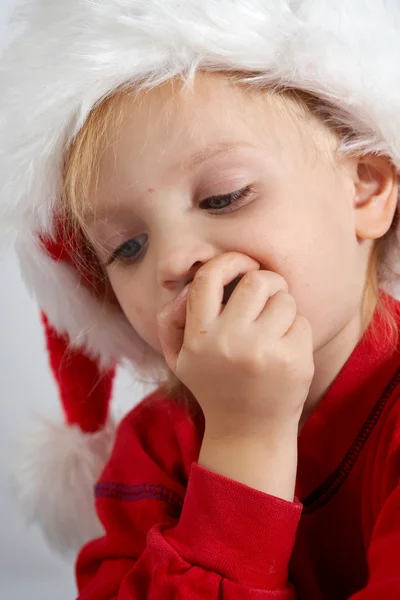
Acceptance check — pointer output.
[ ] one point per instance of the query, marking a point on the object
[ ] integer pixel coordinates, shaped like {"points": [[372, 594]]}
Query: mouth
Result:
{"points": [[228, 289]]}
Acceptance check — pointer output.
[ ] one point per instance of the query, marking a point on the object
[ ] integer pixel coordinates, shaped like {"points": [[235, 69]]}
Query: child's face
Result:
{"points": [[176, 151]]}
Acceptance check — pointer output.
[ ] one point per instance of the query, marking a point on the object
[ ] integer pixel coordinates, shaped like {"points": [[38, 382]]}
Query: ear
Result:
{"points": [[375, 202]]}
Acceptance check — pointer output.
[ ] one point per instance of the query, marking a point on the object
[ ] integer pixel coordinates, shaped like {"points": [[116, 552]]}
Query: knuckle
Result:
{"points": [[276, 281], [302, 321], [253, 278], [254, 362], [224, 348], [280, 281], [202, 275], [304, 324], [288, 360], [256, 365], [287, 299], [296, 364], [193, 345], [266, 279]]}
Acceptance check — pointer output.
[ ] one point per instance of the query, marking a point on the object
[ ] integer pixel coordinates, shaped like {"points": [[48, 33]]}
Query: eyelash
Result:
{"points": [[237, 200]]}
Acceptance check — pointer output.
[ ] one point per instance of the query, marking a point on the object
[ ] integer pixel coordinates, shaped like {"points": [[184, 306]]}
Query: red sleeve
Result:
{"points": [[174, 529]]}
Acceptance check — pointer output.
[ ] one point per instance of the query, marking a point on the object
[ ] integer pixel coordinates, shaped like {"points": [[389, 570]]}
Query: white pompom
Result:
{"points": [[54, 478]]}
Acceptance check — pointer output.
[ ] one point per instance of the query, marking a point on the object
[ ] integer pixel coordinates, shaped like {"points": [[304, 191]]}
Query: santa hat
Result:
{"points": [[67, 56]]}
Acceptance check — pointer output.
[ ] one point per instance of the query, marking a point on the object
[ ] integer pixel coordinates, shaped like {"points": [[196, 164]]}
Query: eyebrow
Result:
{"points": [[195, 160], [213, 152]]}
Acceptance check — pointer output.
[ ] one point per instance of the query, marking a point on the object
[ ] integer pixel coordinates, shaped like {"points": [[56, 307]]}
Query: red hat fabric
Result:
{"points": [[85, 392]]}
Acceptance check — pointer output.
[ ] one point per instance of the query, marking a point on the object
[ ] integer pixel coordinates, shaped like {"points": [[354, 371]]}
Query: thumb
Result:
{"points": [[171, 328]]}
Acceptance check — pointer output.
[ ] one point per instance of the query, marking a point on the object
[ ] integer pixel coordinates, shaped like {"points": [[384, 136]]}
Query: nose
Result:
{"points": [[179, 264]]}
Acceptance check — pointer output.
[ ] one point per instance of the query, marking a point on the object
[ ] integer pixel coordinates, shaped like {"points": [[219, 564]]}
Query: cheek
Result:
{"points": [[141, 314], [313, 247], [324, 278]]}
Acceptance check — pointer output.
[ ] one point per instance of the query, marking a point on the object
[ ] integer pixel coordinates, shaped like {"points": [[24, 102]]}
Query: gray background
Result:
{"points": [[28, 567]]}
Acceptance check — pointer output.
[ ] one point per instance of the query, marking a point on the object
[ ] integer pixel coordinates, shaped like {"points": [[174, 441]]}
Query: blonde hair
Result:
{"points": [[81, 177]]}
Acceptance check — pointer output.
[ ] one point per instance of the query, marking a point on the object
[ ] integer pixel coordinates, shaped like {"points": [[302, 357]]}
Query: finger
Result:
{"points": [[250, 296], [278, 315], [207, 288], [171, 327], [300, 341], [300, 333]]}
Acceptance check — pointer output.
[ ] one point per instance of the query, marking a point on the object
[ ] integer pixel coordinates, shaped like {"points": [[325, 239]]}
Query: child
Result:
{"points": [[210, 190]]}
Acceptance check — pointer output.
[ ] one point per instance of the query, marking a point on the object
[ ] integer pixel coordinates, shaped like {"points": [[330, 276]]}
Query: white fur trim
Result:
{"points": [[71, 308], [54, 481], [75, 52]]}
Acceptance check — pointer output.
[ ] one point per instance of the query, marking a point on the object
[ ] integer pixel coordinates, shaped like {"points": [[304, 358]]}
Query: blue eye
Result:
{"points": [[129, 251]]}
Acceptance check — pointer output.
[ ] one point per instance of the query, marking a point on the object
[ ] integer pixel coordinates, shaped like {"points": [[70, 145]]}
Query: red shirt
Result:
{"points": [[175, 530]]}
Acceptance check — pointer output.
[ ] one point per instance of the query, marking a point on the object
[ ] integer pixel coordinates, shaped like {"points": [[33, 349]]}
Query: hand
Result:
{"points": [[250, 363]]}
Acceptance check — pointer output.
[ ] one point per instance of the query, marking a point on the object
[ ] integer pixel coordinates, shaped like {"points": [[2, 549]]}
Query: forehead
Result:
{"points": [[165, 132], [172, 123]]}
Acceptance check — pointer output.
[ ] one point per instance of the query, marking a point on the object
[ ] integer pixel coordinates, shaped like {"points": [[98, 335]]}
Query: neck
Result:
{"points": [[329, 360]]}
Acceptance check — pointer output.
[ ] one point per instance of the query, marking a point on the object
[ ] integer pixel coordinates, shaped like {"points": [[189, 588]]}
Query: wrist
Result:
{"points": [[268, 464]]}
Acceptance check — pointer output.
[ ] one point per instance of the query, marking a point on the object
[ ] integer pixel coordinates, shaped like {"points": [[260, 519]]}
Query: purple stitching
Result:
{"points": [[133, 493]]}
